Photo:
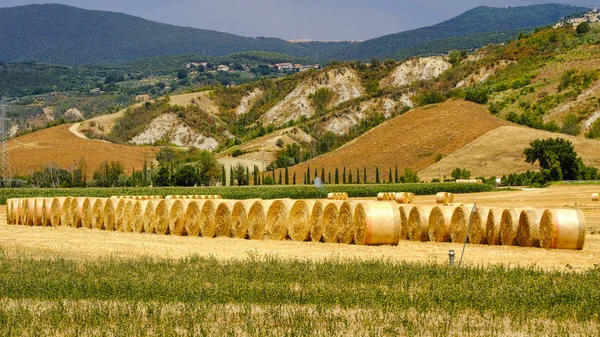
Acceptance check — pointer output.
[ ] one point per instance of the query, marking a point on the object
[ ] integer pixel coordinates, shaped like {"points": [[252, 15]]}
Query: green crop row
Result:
{"points": [[248, 192]]}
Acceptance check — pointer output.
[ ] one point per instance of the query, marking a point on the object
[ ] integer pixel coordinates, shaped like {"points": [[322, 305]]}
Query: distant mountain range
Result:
{"points": [[60, 34]]}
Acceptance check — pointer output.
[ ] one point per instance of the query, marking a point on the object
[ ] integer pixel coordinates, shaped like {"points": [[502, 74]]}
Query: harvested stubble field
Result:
{"points": [[72, 281]]}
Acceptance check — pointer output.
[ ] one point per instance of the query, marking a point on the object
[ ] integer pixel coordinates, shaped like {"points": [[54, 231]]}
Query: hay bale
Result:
{"points": [[562, 229], [403, 198], [478, 226], [65, 213], [9, 211], [18, 210], [177, 217], [120, 214], [137, 217], [509, 224], [278, 216], [330, 221], [316, 220], [37, 211], [223, 218], [46, 212], [459, 224], [192, 217], [441, 198], [404, 210], [337, 196], [86, 212], [149, 216], [376, 223], [299, 220], [110, 213], [528, 231], [492, 226], [97, 215], [207, 218], [418, 219], [344, 222], [127, 218], [439, 223], [76, 212], [595, 196], [257, 218], [450, 198], [239, 218], [56, 210], [162, 216], [28, 212]]}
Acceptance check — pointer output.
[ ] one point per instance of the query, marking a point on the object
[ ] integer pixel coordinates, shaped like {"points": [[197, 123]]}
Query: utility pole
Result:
{"points": [[5, 163]]}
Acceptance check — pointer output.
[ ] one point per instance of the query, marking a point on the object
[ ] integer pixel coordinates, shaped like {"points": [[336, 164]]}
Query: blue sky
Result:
{"points": [[294, 19]]}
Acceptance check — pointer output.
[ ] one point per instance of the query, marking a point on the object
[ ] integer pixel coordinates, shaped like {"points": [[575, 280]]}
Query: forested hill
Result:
{"points": [[479, 20], [65, 35], [60, 34]]}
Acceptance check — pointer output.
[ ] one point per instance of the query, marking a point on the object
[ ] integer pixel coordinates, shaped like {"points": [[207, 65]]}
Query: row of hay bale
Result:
{"points": [[399, 197], [138, 197], [334, 221], [198, 197]]}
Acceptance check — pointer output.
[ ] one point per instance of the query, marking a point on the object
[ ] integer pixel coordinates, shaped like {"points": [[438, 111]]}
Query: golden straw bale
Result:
{"points": [[65, 215], [177, 217], [404, 210], [9, 211], [439, 223], [76, 212], [509, 224], [137, 217], [528, 232], [127, 218], [344, 222], [595, 196], [492, 226], [441, 198], [277, 219], [86, 212], [459, 224], [162, 216], [376, 223], [56, 210], [223, 218], [478, 226], [37, 211], [97, 216], [27, 217], [418, 220], [149, 216], [257, 218], [330, 219], [562, 229], [192, 217], [207, 218], [239, 218], [403, 198], [120, 214], [46, 212], [299, 220], [110, 213], [450, 198], [316, 220]]}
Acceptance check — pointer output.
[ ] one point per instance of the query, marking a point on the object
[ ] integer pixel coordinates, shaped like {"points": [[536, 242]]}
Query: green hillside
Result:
{"points": [[59, 34]]}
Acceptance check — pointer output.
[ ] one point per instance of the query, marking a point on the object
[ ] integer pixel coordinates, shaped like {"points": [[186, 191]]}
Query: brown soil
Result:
{"points": [[411, 140], [85, 243], [59, 145]]}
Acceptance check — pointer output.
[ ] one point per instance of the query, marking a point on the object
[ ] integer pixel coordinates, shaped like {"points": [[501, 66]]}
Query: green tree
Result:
{"points": [[344, 176], [294, 179], [357, 176], [287, 176], [350, 181], [409, 176], [583, 28], [459, 173], [186, 175], [377, 175], [550, 151], [390, 176], [223, 176], [365, 175], [337, 176], [162, 177], [396, 175], [571, 125]]}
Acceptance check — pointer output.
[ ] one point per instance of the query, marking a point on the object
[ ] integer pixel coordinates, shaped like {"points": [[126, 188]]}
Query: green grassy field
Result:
{"points": [[262, 296], [247, 192]]}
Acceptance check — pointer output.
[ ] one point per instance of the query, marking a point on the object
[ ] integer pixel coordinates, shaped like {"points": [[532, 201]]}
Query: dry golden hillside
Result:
{"points": [[412, 140], [58, 144]]}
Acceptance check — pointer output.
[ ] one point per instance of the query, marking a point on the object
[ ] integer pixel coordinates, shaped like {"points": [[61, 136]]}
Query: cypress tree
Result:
{"points": [[323, 174], [279, 177], [255, 174], [396, 177], [350, 177], [316, 173], [376, 174], [344, 175], [308, 180], [365, 175], [247, 176], [390, 176], [287, 176], [294, 179], [337, 177], [230, 175], [329, 177], [357, 176]]}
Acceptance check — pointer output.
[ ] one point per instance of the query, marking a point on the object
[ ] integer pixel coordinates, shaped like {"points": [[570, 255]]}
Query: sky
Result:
{"points": [[296, 19]]}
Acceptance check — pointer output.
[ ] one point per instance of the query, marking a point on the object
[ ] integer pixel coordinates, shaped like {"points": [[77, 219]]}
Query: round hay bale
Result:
{"points": [[277, 219], [330, 221], [97, 215], [509, 224], [344, 222], [492, 226], [439, 223], [330, 195], [46, 212], [528, 231], [450, 198], [149, 217], [562, 229], [120, 214], [76, 212], [162, 216], [65, 213], [37, 212], [459, 224], [404, 210], [299, 220], [110, 213], [418, 220], [9, 211], [376, 223], [239, 218], [257, 218], [28, 212], [411, 198], [402, 198], [338, 196], [177, 217], [18, 210], [192, 217], [137, 218], [316, 220], [595, 196], [56, 210], [381, 196], [478, 226], [441, 198], [223, 218], [207, 218], [127, 217], [86, 212]]}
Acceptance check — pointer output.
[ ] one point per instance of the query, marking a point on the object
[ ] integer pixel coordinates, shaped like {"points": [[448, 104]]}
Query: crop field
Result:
{"points": [[67, 281]]}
